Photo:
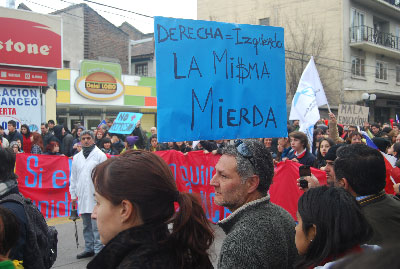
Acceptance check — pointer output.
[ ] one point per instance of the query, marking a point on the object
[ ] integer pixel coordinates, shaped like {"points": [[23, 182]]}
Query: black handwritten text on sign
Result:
{"points": [[219, 80]]}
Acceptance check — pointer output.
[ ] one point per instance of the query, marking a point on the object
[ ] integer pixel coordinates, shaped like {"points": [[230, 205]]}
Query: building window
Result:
{"points": [[141, 70], [66, 64], [357, 25], [357, 66], [398, 73], [264, 21], [381, 70]]}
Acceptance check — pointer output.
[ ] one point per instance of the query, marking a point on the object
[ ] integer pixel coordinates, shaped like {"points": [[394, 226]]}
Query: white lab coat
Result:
{"points": [[81, 185]]}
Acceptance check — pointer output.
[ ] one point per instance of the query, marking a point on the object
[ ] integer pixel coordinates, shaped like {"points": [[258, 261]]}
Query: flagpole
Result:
{"points": [[329, 108]]}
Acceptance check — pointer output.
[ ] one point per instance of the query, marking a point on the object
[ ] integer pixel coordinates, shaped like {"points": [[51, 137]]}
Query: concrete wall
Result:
{"points": [[51, 105], [73, 33]]}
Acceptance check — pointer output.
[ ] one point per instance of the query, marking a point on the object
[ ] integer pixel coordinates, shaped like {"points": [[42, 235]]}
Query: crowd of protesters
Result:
{"points": [[58, 140], [348, 222]]}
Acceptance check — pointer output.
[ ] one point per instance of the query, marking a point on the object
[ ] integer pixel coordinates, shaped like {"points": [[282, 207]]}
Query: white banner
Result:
{"points": [[21, 105]]}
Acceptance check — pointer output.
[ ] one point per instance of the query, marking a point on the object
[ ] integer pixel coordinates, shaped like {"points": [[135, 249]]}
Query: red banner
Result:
{"points": [[193, 173], [45, 179]]}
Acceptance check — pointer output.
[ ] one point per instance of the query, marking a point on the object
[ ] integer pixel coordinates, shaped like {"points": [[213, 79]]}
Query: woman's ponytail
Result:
{"points": [[192, 234]]}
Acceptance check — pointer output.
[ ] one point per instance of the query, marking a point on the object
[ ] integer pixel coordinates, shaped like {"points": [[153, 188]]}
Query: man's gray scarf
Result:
{"points": [[87, 150]]}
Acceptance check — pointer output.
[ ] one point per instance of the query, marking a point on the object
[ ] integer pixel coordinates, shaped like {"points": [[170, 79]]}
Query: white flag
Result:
{"points": [[310, 78], [308, 97], [304, 107]]}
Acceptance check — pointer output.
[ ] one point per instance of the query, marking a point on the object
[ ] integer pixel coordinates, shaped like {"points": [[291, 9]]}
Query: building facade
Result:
{"points": [[28, 58], [142, 51], [138, 94], [89, 36], [355, 43]]}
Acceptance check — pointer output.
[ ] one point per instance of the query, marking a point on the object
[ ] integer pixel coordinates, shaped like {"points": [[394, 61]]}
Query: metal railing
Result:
{"points": [[369, 34], [395, 3]]}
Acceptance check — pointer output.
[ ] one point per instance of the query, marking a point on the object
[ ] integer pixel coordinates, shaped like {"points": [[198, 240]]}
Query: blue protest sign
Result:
{"points": [[125, 123], [219, 80]]}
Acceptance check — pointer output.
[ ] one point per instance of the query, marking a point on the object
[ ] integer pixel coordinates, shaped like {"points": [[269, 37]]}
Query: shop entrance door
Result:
{"points": [[74, 120], [91, 122]]}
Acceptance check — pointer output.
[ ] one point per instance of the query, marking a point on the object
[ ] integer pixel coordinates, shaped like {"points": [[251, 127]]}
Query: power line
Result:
{"points": [[100, 10], [52, 8], [133, 12]]}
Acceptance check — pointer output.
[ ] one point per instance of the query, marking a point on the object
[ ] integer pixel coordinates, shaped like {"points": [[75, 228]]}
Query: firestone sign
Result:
{"points": [[30, 39]]}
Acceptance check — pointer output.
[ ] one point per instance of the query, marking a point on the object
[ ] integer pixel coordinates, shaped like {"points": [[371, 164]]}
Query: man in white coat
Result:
{"points": [[82, 190]]}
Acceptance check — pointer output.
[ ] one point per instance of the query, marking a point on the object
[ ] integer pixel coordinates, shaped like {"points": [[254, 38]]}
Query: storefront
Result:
{"points": [[30, 48], [100, 91]]}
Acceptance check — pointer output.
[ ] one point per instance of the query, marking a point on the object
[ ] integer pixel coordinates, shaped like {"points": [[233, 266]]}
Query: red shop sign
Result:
{"points": [[30, 39], [22, 77]]}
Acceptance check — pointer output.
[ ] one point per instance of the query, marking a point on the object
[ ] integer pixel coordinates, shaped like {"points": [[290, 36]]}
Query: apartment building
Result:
{"points": [[356, 44]]}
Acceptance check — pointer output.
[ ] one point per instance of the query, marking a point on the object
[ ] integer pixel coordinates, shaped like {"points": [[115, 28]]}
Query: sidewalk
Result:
{"points": [[67, 251]]}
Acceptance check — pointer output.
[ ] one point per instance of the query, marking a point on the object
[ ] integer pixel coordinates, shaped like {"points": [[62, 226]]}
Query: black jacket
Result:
{"points": [[142, 142], [46, 139], [209, 145], [17, 252], [66, 145], [14, 137], [383, 213], [137, 247]]}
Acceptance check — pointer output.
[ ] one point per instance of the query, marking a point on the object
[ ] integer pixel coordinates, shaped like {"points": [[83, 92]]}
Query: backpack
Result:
{"points": [[40, 250]]}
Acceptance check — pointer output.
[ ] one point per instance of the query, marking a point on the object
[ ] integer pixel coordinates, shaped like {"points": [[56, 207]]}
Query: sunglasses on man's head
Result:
{"points": [[244, 150]]}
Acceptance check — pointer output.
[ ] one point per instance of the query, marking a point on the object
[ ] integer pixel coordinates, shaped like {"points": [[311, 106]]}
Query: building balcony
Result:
{"points": [[389, 8], [371, 40], [395, 3]]}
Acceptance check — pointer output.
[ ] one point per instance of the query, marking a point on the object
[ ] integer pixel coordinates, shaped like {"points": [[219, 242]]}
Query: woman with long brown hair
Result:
{"points": [[37, 143], [135, 195]]}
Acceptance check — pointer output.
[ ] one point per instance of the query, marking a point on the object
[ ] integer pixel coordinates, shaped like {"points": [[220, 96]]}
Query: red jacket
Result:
{"points": [[26, 144]]}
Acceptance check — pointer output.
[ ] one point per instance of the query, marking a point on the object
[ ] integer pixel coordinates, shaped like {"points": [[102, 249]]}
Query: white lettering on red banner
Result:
{"points": [[22, 77]]}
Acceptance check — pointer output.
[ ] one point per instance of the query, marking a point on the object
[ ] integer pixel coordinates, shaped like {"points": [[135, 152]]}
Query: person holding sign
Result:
{"points": [[259, 234]]}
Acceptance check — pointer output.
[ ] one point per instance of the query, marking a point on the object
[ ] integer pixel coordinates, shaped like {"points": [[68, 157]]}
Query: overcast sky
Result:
{"points": [[168, 8]]}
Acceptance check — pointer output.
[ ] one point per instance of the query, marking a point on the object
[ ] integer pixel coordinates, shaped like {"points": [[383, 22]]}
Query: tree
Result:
{"points": [[304, 39]]}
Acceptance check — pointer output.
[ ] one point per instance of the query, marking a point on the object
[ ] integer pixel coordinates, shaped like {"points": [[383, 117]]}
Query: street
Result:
{"points": [[66, 257]]}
